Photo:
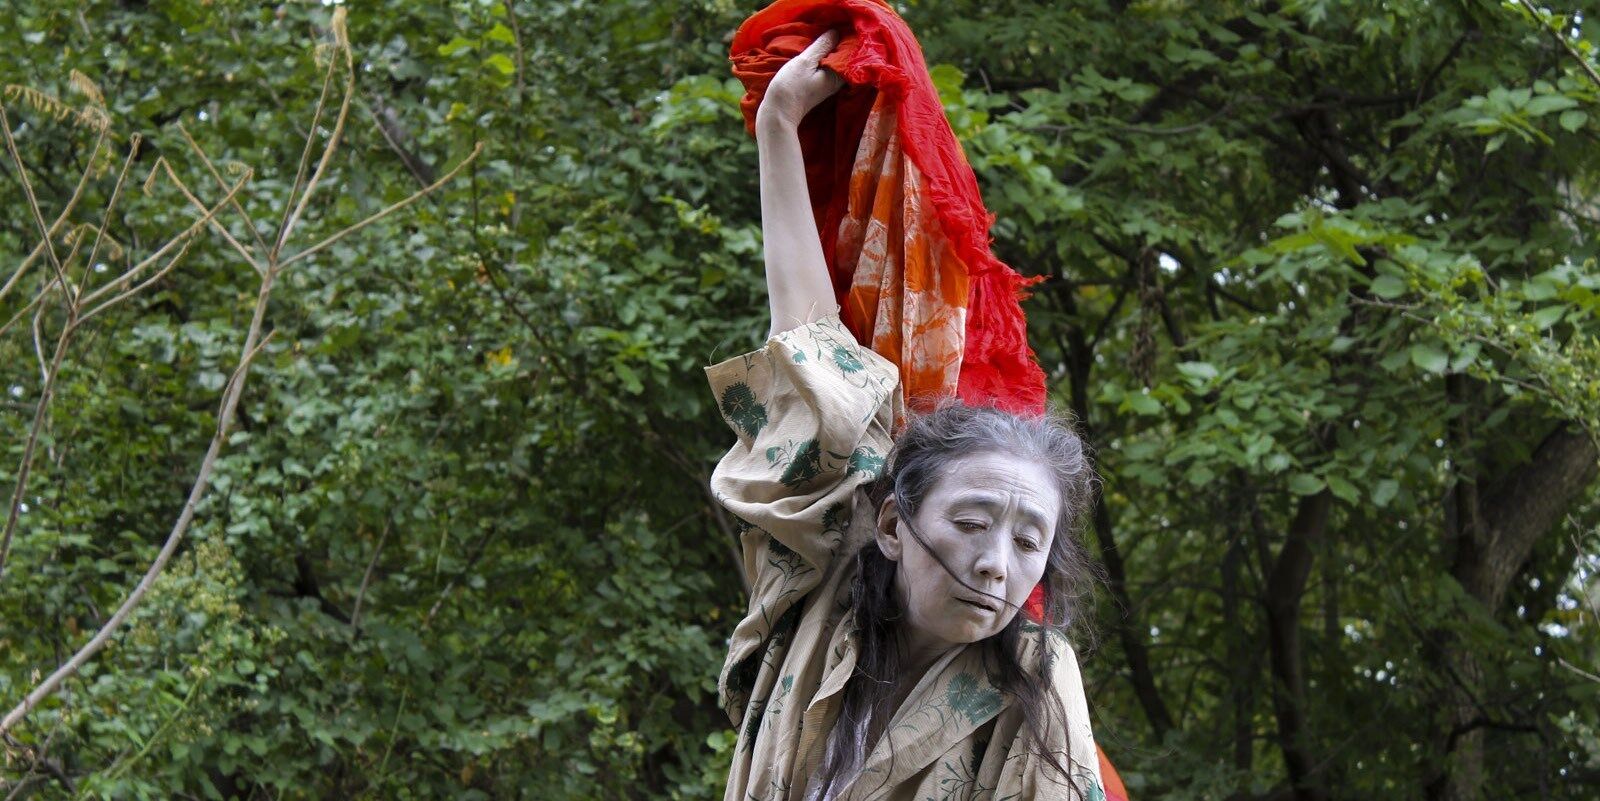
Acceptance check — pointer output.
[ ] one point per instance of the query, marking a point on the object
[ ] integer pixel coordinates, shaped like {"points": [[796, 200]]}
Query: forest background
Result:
{"points": [[1322, 290]]}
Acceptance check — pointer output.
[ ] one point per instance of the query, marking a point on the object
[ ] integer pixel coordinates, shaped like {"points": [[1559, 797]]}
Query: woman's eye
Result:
{"points": [[969, 525], [1027, 544]]}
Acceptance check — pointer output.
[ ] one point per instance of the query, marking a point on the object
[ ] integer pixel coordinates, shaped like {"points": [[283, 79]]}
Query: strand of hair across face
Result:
{"points": [[899, 502]]}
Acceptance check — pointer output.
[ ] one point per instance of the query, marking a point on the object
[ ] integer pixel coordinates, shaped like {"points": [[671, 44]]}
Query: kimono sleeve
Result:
{"points": [[813, 412]]}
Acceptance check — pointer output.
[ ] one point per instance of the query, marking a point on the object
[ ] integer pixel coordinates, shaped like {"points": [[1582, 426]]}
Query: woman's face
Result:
{"points": [[992, 519]]}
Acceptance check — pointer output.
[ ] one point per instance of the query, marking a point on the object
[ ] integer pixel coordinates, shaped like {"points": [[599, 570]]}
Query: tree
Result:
{"points": [[1322, 293]]}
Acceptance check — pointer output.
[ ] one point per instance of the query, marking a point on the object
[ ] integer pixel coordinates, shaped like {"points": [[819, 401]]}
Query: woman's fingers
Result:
{"points": [[823, 45], [812, 57], [803, 82]]}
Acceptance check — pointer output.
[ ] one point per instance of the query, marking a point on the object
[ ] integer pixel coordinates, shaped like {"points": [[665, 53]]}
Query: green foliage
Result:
{"points": [[1316, 250]]}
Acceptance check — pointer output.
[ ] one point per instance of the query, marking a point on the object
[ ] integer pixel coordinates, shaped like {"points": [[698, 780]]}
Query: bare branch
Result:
{"points": [[1578, 670], [221, 229], [177, 257], [61, 219], [40, 410], [254, 343], [105, 218], [27, 192], [176, 241], [53, 371], [415, 196], [366, 578], [322, 164], [37, 299], [38, 343], [212, 168], [282, 235]]}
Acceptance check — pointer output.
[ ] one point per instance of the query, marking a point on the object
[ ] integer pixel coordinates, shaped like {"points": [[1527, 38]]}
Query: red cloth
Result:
{"points": [[884, 71]]}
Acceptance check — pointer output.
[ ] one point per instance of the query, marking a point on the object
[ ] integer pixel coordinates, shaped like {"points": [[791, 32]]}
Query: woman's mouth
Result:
{"points": [[982, 605]]}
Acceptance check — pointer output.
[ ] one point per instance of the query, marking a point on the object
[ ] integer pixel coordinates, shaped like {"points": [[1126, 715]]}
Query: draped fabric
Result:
{"points": [[903, 228]]}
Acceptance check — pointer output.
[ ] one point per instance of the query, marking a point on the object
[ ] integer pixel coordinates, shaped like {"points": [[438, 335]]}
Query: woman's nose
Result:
{"points": [[991, 561]]}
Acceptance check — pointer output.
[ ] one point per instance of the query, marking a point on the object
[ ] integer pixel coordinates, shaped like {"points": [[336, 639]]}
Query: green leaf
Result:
{"points": [[1305, 484], [501, 62], [629, 378], [1430, 358], [1394, 361], [500, 33], [1343, 489], [1384, 492], [1544, 104], [1143, 404], [454, 46], [947, 80], [1548, 316], [1573, 120], [1388, 287], [1466, 357], [1199, 372]]}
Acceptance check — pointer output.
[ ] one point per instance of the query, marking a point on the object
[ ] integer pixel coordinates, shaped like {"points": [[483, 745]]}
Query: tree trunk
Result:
{"points": [[1285, 588], [1080, 360], [1495, 532]]}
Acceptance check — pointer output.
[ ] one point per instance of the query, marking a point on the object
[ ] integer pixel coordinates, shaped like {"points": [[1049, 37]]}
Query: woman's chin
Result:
{"points": [[975, 632]]}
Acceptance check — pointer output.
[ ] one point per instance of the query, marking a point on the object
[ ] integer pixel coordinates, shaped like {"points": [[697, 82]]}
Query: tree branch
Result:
{"points": [[1521, 507]]}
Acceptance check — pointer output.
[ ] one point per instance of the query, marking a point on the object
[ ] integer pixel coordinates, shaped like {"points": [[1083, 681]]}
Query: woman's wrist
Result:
{"points": [[770, 122]]}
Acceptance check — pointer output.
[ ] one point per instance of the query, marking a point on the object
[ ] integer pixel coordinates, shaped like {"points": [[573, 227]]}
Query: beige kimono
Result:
{"points": [[814, 412]]}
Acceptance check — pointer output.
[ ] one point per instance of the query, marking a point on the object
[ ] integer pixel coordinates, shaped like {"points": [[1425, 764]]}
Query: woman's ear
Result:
{"points": [[887, 532]]}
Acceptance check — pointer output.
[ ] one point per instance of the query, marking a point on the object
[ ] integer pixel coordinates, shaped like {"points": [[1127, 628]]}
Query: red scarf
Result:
{"points": [[903, 228]]}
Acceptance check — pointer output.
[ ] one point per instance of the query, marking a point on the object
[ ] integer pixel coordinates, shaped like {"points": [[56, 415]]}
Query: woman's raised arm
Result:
{"points": [[799, 289]]}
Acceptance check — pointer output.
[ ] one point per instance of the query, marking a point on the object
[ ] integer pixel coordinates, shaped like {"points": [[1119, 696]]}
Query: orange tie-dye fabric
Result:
{"points": [[908, 290], [902, 224]]}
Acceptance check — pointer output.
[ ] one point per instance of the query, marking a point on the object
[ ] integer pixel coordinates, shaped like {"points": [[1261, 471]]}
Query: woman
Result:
{"points": [[883, 655]]}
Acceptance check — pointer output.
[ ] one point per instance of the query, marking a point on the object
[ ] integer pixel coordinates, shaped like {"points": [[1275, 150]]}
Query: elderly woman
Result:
{"points": [[883, 655]]}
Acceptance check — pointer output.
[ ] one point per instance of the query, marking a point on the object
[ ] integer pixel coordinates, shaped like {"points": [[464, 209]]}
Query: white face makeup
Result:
{"points": [[991, 518]]}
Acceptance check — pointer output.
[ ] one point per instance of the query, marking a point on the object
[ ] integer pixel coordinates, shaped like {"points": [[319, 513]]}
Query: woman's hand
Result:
{"points": [[799, 85]]}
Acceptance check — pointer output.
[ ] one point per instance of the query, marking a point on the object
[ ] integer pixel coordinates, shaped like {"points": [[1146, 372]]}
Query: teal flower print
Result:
{"points": [[804, 466], [967, 697], [865, 460], [846, 360], [741, 408]]}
